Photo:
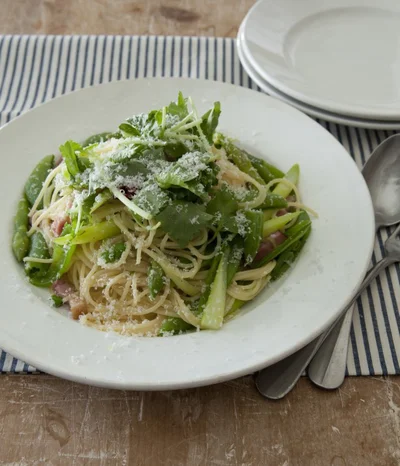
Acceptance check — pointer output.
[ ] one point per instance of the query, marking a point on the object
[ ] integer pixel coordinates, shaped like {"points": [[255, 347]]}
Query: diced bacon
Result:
{"points": [[65, 290], [59, 223], [281, 212], [62, 288], [77, 306], [269, 244], [277, 238]]}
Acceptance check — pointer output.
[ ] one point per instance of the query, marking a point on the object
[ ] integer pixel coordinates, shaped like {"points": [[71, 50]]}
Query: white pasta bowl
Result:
{"points": [[283, 318]]}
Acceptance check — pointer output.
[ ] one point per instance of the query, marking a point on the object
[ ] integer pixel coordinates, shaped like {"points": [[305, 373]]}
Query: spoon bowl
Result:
{"points": [[382, 174]]}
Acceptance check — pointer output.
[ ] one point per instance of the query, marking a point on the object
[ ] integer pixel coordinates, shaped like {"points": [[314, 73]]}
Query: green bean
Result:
{"points": [[20, 240], [277, 223], [234, 259], [174, 326], [39, 250], [155, 279], [254, 234], [34, 183], [286, 259]]}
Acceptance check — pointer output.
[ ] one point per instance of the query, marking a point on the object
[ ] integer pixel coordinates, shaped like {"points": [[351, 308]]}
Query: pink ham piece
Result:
{"points": [[269, 244], [59, 223], [65, 290]]}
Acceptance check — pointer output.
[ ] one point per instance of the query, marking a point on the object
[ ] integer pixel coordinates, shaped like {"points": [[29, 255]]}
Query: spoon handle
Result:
{"points": [[276, 381], [328, 367]]}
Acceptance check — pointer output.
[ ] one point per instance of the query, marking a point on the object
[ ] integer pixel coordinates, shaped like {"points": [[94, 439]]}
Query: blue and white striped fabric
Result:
{"points": [[34, 69]]}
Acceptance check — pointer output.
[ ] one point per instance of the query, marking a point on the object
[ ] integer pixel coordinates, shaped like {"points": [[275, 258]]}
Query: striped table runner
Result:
{"points": [[34, 69]]}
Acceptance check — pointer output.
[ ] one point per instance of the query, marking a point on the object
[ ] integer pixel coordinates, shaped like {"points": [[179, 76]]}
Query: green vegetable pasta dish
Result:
{"points": [[161, 227]]}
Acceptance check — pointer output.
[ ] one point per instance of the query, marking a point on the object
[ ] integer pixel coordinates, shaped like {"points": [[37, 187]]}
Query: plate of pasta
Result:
{"points": [[167, 233]]}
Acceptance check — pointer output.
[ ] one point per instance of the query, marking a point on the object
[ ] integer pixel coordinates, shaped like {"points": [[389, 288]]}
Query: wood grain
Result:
{"points": [[48, 421], [44, 420], [185, 17]]}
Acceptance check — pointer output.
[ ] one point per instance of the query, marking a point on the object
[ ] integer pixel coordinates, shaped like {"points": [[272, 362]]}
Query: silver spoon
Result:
{"points": [[380, 172]]}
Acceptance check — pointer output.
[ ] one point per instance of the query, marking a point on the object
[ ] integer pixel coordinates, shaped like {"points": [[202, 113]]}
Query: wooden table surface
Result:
{"points": [[49, 421]]}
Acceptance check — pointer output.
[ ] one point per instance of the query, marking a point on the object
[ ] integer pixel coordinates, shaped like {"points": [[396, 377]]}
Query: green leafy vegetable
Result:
{"points": [[209, 121], [183, 221], [96, 138], [222, 207]]}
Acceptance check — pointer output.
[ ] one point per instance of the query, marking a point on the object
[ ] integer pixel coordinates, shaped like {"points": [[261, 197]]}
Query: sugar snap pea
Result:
{"points": [[39, 250], [277, 223], [286, 259], [62, 260], [20, 240], [155, 279], [234, 259], [293, 238], [34, 183], [240, 158], [254, 234], [273, 201], [174, 326]]}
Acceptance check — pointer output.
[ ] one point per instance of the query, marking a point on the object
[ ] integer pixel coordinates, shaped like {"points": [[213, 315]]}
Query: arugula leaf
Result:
{"points": [[151, 198], [183, 221], [187, 172], [68, 152], [96, 138], [223, 207], [129, 130], [178, 108], [174, 150], [210, 121]]}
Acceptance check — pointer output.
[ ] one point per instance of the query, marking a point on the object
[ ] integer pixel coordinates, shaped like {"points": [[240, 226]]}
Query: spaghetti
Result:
{"points": [[159, 228]]}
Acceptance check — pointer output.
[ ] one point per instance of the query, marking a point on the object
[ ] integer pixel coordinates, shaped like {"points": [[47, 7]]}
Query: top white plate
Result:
{"points": [[312, 111], [281, 320], [339, 55]]}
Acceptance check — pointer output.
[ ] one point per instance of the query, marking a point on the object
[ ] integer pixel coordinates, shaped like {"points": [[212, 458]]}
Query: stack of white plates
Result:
{"points": [[338, 60]]}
